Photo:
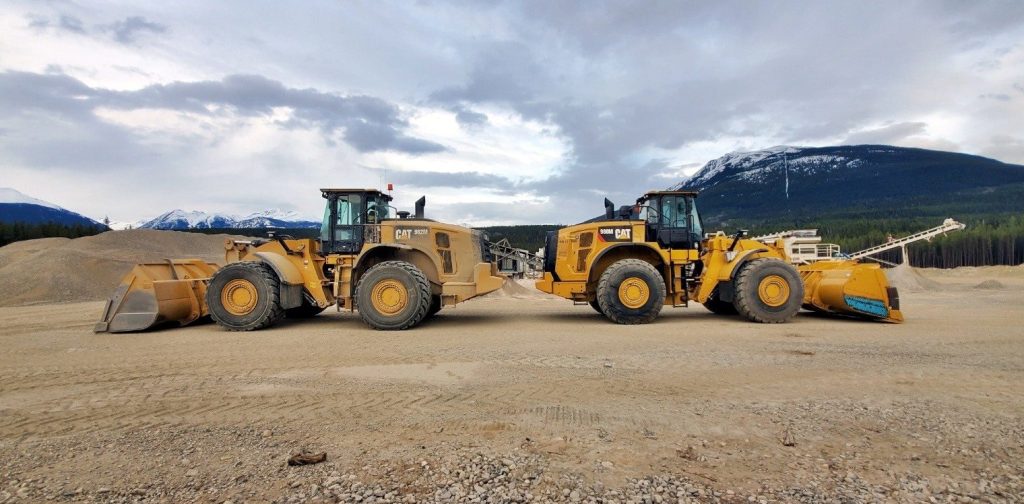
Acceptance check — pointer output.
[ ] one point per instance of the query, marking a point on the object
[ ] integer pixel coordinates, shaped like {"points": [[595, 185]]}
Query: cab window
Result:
{"points": [[673, 212], [698, 230], [348, 215], [348, 210], [325, 225], [376, 210]]}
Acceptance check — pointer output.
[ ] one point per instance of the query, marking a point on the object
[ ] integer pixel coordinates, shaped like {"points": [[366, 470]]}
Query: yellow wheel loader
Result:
{"points": [[639, 258], [395, 269]]}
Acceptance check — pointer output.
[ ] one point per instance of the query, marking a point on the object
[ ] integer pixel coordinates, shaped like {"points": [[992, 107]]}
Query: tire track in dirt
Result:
{"points": [[124, 397], [128, 410]]}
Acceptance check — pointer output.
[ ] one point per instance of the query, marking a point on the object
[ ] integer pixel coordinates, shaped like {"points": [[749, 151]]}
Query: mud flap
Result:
{"points": [[157, 293]]}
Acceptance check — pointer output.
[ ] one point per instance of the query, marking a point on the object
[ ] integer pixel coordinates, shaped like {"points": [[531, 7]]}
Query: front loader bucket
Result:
{"points": [[158, 293], [850, 288]]}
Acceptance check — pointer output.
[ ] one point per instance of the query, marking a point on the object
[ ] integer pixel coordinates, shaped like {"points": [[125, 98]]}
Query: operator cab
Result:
{"points": [[671, 219], [351, 218]]}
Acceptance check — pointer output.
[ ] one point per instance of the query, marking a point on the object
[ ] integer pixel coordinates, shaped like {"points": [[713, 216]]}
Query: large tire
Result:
{"points": [[719, 307], [305, 310], [435, 306], [631, 291], [768, 291], [245, 296], [393, 295], [596, 306]]}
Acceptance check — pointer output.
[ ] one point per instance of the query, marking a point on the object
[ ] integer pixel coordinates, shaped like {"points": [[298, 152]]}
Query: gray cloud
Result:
{"points": [[891, 134], [428, 178], [125, 31], [129, 29], [469, 119], [525, 211], [52, 123], [626, 87], [63, 22], [367, 123], [996, 96], [618, 80]]}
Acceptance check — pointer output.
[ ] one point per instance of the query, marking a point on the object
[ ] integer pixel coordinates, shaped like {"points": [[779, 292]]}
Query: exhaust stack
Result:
{"points": [[420, 203], [609, 209]]}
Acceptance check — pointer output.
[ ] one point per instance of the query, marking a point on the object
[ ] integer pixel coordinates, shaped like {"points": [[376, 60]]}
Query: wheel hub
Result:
{"points": [[389, 296], [239, 297], [634, 293], [773, 290]]}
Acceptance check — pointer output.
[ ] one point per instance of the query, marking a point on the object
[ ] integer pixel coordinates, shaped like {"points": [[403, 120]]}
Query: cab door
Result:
{"points": [[673, 229], [342, 229]]}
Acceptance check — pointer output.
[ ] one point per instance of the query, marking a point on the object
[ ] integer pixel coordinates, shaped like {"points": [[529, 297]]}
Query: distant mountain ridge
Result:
{"points": [[16, 206], [273, 218], [803, 183]]}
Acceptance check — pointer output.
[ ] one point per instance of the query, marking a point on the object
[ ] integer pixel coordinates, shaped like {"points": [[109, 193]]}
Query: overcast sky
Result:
{"points": [[500, 112]]}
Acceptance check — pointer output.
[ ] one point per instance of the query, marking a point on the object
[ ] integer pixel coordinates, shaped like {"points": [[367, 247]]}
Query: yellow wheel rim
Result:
{"points": [[239, 297], [634, 293], [773, 290], [389, 296]]}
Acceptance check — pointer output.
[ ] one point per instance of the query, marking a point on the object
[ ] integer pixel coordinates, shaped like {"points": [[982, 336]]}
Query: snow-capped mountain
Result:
{"points": [[122, 225], [180, 219], [802, 183], [759, 166], [273, 218], [19, 207], [12, 196]]}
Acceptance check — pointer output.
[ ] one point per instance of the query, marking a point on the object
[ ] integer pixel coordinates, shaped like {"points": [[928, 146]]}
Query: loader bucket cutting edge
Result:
{"points": [[157, 293], [851, 289]]}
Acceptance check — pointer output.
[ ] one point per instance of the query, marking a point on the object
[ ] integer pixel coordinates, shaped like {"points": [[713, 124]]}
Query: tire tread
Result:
{"points": [[422, 285], [745, 303], [617, 313], [274, 311]]}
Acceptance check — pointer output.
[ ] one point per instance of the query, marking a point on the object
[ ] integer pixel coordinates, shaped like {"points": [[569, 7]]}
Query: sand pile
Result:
{"points": [[52, 270], [975, 272], [905, 277], [990, 285]]}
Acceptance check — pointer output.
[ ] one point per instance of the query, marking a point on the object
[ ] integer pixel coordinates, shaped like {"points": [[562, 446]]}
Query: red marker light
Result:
{"points": [[391, 187]]}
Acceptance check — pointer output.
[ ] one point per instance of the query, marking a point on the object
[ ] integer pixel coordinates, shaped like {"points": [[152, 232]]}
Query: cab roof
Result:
{"points": [[661, 193], [326, 191]]}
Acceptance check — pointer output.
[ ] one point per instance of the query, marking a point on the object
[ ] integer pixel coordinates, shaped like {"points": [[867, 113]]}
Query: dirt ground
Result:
{"points": [[523, 397]]}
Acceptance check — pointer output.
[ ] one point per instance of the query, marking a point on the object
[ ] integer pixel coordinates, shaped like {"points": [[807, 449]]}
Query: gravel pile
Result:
{"points": [[907, 278], [53, 270], [518, 289], [990, 285]]}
